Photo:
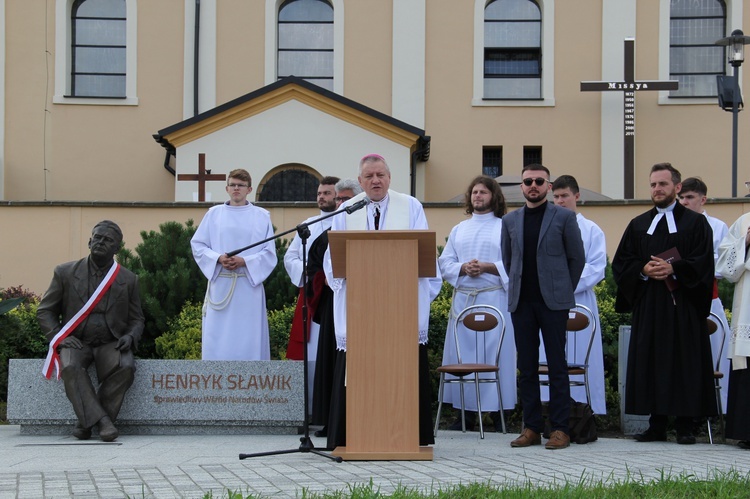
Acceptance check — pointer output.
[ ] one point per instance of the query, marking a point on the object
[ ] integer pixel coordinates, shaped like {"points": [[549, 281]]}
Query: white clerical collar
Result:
{"points": [[660, 213]]}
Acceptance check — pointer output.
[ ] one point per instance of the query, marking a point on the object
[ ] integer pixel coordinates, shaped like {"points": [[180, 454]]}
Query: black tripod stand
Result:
{"points": [[303, 231]]}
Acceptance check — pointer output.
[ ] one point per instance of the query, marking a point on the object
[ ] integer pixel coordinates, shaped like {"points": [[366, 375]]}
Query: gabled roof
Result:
{"points": [[278, 93]]}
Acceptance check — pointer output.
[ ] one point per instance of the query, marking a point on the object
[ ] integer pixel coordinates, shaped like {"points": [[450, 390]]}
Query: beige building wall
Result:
{"points": [[45, 235], [106, 152]]}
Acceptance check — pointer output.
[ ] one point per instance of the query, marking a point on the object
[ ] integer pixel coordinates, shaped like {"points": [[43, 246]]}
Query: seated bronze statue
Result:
{"points": [[91, 313]]}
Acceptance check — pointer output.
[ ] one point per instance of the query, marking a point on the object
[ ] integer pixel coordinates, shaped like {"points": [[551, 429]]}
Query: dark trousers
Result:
{"points": [[528, 320], [337, 414], [115, 372]]}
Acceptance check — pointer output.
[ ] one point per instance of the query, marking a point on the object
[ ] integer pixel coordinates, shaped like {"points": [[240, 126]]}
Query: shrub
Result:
{"points": [[21, 338], [182, 340], [169, 278], [440, 310], [280, 292], [279, 325]]}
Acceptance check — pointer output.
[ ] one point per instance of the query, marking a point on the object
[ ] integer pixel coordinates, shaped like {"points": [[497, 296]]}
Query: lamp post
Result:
{"points": [[736, 43]]}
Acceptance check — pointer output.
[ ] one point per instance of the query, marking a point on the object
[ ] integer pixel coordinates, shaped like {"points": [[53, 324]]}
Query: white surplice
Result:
{"points": [[595, 248], [478, 238], [734, 266], [397, 212], [720, 230], [235, 324]]}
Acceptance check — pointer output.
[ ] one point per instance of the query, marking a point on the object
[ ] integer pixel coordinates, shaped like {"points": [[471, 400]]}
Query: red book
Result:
{"points": [[671, 256]]}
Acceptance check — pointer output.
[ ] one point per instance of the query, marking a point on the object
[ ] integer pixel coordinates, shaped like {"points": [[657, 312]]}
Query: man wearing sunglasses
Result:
{"points": [[543, 255]]}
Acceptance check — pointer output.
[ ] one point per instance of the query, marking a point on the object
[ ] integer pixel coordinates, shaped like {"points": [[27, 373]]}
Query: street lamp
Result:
{"points": [[736, 43]]}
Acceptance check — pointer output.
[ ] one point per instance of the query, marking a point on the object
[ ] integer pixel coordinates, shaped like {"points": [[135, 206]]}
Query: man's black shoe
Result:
{"points": [[686, 439], [744, 444], [323, 432], [650, 436]]}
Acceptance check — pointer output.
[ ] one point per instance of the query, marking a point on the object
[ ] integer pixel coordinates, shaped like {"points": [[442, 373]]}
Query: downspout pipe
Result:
{"points": [[421, 153], [196, 57]]}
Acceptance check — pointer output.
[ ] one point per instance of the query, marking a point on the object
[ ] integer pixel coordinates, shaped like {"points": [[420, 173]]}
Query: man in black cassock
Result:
{"points": [[669, 371]]}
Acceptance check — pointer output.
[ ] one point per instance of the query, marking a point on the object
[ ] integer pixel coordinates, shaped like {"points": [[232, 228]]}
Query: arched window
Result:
{"points": [[305, 41], [291, 184], [512, 50], [98, 48], [694, 59]]}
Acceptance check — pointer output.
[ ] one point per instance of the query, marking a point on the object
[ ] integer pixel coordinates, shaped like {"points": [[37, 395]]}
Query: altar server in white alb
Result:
{"points": [[235, 325], [693, 196], [387, 210], [566, 193], [472, 263]]}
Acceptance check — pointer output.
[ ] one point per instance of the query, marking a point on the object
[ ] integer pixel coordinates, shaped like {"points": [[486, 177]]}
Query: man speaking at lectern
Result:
{"points": [[386, 210]]}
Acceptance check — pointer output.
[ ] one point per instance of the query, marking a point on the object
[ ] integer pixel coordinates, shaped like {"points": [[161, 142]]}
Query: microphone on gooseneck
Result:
{"points": [[357, 206]]}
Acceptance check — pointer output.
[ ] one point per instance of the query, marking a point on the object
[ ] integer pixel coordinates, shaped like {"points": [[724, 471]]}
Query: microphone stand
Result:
{"points": [[306, 444]]}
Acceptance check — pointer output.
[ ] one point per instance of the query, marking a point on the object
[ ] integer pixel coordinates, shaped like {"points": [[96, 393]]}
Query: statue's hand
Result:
{"points": [[124, 343], [71, 342]]}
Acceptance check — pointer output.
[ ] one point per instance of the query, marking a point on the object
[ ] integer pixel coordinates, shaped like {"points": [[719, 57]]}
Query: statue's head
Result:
{"points": [[105, 241]]}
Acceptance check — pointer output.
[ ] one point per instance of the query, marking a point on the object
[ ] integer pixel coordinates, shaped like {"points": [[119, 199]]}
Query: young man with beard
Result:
{"points": [[293, 263], [471, 262], [544, 257], [326, 354], [664, 269]]}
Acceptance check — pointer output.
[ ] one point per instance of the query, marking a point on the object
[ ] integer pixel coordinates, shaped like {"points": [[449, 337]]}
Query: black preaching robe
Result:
{"points": [[669, 369], [326, 356]]}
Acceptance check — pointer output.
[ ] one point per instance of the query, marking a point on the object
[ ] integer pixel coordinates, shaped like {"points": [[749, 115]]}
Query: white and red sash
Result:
{"points": [[53, 359]]}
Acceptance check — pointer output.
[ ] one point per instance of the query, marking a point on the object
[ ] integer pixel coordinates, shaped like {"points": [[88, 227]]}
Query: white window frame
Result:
{"points": [[63, 58], [547, 8], [272, 19], [734, 21]]}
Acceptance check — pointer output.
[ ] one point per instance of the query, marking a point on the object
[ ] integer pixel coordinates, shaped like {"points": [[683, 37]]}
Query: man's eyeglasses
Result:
{"points": [[539, 181], [342, 199], [237, 186]]}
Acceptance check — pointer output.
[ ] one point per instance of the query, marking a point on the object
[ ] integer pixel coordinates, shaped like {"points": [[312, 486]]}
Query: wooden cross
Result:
{"points": [[202, 177], [629, 85]]}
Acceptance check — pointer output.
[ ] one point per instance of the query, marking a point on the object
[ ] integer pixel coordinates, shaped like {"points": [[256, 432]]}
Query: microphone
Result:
{"points": [[357, 206]]}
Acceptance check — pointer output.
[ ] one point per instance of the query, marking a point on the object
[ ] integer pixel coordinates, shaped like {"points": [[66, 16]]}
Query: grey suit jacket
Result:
{"points": [[559, 255], [69, 291]]}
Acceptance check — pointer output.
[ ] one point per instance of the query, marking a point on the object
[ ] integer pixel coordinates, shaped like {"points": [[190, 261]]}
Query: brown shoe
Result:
{"points": [[527, 438], [557, 440]]}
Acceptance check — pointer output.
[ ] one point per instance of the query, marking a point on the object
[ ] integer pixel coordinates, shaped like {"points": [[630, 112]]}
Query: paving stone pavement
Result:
{"points": [[152, 466]]}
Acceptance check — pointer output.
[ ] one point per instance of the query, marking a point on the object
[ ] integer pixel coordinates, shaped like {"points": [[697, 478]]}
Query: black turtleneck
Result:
{"points": [[532, 225]]}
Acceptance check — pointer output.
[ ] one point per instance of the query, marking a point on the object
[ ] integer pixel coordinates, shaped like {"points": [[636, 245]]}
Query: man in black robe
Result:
{"points": [[669, 371]]}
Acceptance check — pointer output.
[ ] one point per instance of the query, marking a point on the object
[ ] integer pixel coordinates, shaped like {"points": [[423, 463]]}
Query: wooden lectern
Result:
{"points": [[382, 358]]}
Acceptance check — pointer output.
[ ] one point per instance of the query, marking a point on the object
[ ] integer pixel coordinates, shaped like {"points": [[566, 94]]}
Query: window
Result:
{"points": [[492, 161], [694, 59], [290, 185], [96, 52], [532, 155], [512, 50], [305, 41], [98, 48]]}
